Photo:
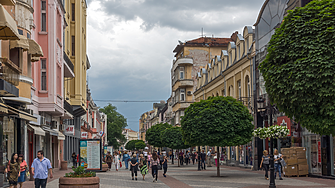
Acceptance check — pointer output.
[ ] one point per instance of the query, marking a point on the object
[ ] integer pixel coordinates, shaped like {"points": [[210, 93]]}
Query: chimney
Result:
{"points": [[234, 36]]}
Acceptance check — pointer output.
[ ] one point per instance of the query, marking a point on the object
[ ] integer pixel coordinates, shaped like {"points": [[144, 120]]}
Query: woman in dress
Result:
{"points": [[143, 166], [149, 158], [134, 167], [23, 168], [116, 161], [13, 168]]}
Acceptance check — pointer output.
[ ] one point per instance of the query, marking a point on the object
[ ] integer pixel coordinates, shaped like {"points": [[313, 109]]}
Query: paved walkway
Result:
{"points": [[188, 176]]}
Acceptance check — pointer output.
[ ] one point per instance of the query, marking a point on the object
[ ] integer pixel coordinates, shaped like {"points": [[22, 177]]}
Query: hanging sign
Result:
{"points": [[285, 121], [84, 135], [69, 130], [319, 152]]}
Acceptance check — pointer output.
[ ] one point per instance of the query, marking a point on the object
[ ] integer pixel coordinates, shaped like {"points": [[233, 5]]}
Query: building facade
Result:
{"points": [[129, 135]]}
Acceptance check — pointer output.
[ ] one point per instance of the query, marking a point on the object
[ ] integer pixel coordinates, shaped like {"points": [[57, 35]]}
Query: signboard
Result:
{"points": [[84, 135], [110, 149], [285, 121], [101, 133], [69, 130], [90, 154], [319, 152]]}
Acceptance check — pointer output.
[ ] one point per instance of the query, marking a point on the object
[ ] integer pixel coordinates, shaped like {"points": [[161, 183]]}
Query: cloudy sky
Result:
{"points": [[130, 44]]}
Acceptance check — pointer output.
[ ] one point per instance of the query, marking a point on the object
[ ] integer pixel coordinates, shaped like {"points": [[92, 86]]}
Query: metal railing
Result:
{"points": [[68, 62], [9, 71]]}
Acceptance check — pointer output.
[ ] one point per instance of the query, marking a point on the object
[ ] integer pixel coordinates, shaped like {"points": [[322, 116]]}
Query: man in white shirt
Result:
{"points": [[145, 153], [209, 157]]}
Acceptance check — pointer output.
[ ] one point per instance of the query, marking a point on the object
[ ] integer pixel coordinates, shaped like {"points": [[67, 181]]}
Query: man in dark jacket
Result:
{"points": [[203, 159]]}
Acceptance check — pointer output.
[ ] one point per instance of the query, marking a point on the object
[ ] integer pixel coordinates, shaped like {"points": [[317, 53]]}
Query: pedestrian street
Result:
{"points": [[189, 176]]}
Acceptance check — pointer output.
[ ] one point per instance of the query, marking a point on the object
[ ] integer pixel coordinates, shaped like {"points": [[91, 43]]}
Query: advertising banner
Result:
{"points": [[90, 154], [69, 130], [84, 135]]}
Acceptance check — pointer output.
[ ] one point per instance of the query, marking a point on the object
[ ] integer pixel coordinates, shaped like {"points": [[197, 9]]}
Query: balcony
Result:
{"points": [[182, 61], [68, 107], [182, 83], [181, 105], [10, 72], [69, 67]]}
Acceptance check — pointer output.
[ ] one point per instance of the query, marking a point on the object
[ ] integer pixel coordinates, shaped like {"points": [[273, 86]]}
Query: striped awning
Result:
{"points": [[35, 49]]}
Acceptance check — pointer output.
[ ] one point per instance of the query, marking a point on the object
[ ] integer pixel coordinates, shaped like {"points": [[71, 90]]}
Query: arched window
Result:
{"points": [[247, 87], [231, 91]]}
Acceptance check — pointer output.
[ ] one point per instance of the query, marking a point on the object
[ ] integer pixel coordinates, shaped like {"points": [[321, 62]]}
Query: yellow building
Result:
{"points": [[191, 56], [230, 74], [143, 122], [75, 49]]}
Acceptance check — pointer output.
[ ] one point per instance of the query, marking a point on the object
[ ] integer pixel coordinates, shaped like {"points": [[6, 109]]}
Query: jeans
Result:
{"points": [[187, 160], [203, 162], [277, 168], [126, 163], [181, 160], [165, 170], [154, 171], [266, 168], [148, 164], [40, 183]]}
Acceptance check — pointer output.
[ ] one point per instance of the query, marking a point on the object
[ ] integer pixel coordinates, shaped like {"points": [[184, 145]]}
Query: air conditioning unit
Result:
{"points": [[54, 124], [189, 93], [43, 122], [62, 127]]}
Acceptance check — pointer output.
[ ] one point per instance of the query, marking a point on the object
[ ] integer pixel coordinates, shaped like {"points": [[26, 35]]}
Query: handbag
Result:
{"points": [[283, 163], [120, 164], [159, 166], [27, 174]]}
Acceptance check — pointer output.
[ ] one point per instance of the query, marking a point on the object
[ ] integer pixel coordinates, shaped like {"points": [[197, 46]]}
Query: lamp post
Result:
{"points": [[270, 109], [199, 158]]}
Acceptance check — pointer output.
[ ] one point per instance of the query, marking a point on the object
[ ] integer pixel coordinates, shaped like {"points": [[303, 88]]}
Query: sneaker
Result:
{"points": [[164, 175], [132, 178], [280, 178], [136, 179], [153, 179]]}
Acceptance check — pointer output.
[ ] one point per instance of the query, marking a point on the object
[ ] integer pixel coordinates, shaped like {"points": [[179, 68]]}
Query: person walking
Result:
{"points": [[109, 160], [209, 158], [23, 168], [203, 160], [277, 158], [116, 161], [149, 159], [134, 167], [126, 159], [143, 166], [40, 168], [74, 159], [154, 166], [193, 157], [165, 165], [187, 157], [265, 163], [13, 171], [170, 154], [181, 157]]}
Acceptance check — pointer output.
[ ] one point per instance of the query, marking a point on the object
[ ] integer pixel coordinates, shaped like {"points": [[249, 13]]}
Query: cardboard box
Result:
{"points": [[304, 172], [291, 161], [285, 151], [301, 155], [292, 151], [303, 167], [302, 161], [293, 155], [291, 170], [299, 149]]}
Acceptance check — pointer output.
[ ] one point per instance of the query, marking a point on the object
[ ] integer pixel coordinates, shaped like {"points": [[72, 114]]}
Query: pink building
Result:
{"points": [[48, 74]]}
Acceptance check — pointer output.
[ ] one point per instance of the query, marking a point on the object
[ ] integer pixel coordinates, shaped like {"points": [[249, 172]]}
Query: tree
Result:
{"points": [[131, 145], [173, 138], [217, 121], [299, 67], [115, 124], [140, 144], [154, 134]]}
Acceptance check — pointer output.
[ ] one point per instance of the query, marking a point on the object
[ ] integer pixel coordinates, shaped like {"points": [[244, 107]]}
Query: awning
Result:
{"points": [[22, 43], [37, 130], [34, 59], [8, 2], [51, 131], [8, 28], [23, 115], [3, 108], [35, 49], [61, 136]]}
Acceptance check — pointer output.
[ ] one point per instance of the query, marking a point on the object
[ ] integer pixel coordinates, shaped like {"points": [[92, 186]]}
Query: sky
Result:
{"points": [[130, 44]]}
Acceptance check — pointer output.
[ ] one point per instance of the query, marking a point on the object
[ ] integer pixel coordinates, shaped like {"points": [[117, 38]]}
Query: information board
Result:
{"points": [[90, 154]]}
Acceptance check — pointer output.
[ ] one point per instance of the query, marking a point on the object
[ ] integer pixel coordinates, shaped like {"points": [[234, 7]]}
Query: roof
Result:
{"points": [[208, 41]]}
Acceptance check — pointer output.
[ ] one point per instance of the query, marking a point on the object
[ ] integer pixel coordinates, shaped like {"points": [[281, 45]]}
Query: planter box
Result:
{"points": [[91, 182], [104, 168], [63, 165]]}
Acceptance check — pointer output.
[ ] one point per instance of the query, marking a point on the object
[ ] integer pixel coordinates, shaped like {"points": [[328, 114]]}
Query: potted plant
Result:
{"points": [[79, 178]]}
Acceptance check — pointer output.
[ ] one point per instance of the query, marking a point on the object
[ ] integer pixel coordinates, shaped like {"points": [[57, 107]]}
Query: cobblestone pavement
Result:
{"points": [[188, 176]]}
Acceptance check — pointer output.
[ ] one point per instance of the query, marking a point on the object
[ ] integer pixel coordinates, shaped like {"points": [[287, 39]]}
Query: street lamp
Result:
{"points": [[199, 158], [269, 110]]}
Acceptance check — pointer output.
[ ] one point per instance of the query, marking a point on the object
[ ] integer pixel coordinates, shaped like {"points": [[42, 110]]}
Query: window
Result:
{"points": [[248, 87], [73, 11], [230, 58], [73, 45], [181, 73], [239, 51], [182, 94], [239, 89], [223, 93], [43, 75], [44, 16]]}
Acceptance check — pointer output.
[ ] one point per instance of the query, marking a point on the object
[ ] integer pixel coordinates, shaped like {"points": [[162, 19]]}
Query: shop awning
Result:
{"points": [[8, 28], [22, 43], [61, 136], [37, 130], [51, 131], [23, 115], [3, 108], [35, 49], [8, 2], [34, 59]]}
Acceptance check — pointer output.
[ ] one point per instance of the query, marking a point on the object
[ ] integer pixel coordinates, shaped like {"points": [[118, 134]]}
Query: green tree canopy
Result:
{"points": [[115, 124], [217, 121], [140, 144], [300, 65], [131, 145], [154, 134], [173, 138]]}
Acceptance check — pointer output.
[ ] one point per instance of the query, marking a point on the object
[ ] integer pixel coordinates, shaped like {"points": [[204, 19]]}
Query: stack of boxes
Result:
{"points": [[296, 162]]}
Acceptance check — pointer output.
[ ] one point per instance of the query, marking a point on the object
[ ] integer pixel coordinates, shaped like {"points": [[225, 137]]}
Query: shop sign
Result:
{"points": [[69, 130], [84, 135], [285, 121], [319, 152]]}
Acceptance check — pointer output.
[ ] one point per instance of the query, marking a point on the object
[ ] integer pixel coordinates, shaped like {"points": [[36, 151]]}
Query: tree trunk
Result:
{"points": [[218, 162], [178, 157]]}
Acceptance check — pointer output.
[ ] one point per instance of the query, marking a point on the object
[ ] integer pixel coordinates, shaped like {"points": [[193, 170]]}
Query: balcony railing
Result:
{"points": [[9, 71], [68, 62]]}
